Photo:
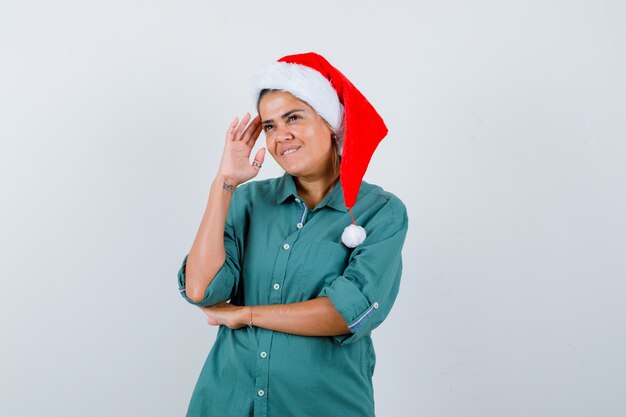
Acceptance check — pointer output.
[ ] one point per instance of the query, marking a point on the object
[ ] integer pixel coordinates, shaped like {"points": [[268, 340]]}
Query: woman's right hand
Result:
{"points": [[235, 164]]}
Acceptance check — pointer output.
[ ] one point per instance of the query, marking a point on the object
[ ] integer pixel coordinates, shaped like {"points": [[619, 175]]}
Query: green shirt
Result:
{"points": [[279, 252]]}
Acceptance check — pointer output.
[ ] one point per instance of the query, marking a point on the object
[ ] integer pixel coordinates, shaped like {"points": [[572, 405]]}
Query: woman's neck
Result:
{"points": [[314, 189]]}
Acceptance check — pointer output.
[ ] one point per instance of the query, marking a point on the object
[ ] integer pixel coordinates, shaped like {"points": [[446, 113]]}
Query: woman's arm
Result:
{"points": [[207, 253], [316, 317]]}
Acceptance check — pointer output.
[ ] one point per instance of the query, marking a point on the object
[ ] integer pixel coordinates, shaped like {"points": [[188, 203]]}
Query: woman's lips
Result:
{"points": [[290, 151]]}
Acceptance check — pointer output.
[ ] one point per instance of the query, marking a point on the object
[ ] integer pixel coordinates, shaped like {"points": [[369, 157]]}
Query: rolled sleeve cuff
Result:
{"points": [[219, 289], [353, 306]]}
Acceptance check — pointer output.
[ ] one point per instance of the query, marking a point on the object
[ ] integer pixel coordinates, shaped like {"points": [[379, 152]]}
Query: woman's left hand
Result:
{"points": [[227, 314]]}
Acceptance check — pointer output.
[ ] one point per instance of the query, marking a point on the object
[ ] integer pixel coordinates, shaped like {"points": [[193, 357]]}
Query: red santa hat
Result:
{"points": [[356, 124]]}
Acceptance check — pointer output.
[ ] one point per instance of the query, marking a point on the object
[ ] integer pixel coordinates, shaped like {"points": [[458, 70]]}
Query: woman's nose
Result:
{"points": [[283, 133]]}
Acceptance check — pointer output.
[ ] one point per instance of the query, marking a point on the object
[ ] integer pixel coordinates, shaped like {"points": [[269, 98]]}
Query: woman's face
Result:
{"points": [[296, 136]]}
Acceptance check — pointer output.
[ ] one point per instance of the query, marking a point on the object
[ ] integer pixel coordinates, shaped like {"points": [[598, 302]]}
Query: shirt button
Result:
{"points": [[375, 305], [299, 225], [286, 246], [297, 200], [261, 393], [276, 286], [263, 354]]}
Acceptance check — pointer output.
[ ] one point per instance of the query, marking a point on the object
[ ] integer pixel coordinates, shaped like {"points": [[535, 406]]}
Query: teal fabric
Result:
{"points": [[279, 252]]}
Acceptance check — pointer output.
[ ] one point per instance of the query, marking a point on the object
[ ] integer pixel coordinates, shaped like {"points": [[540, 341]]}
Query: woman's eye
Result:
{"points": [[290, 118]]}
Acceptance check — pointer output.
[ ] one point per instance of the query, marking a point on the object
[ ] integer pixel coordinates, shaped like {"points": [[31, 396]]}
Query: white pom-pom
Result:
{"points": [[353, 236]]}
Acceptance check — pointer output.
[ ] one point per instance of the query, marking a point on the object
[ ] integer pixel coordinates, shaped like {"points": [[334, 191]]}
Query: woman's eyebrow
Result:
{"points": [[284, 115]]}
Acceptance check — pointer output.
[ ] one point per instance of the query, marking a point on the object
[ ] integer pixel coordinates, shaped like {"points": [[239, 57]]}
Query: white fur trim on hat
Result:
{"points": [[306, 84]]}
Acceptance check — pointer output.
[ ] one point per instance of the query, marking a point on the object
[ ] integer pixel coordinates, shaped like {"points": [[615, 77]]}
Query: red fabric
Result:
{"points": [[364, 127]]}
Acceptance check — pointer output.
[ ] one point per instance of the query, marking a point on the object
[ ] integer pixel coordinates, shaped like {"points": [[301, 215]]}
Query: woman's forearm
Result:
{"points": [[207, 254], [316, 317]]}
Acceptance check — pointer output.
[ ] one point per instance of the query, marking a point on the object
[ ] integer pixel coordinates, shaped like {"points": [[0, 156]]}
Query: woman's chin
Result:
{"points": [[294, 169], [292, 172]]}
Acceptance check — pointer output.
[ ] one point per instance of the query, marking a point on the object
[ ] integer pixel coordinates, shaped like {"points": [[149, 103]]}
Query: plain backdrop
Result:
{"points": [[507, 143]]}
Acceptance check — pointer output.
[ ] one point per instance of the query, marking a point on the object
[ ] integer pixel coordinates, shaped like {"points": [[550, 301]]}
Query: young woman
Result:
{"points": [[306, 285]]}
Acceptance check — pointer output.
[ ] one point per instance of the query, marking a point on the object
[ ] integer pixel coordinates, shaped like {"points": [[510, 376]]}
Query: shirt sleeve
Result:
{"points": [[367, 289], [226, 282]]}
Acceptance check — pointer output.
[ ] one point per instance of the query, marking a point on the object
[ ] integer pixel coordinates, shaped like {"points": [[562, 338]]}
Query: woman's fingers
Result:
{"points": [[251, 129], [254, 134], [240, 127], [230, 133], [260, 155], [258, 159], [239, 131]]}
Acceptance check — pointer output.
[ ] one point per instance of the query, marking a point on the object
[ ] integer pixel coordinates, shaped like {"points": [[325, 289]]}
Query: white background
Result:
{"points": [[507, 143]]}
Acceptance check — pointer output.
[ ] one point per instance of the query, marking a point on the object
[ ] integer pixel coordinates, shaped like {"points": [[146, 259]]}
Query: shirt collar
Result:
{"points": [[287, 188]]}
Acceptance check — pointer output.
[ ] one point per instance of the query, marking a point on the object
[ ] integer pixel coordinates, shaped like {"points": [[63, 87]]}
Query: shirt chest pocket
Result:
{"points": [[324, 262]]}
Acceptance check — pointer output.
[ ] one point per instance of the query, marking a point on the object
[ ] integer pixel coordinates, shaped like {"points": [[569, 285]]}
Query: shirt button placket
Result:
{"points": [[300, 224], [275, 297], [262, 374]]}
